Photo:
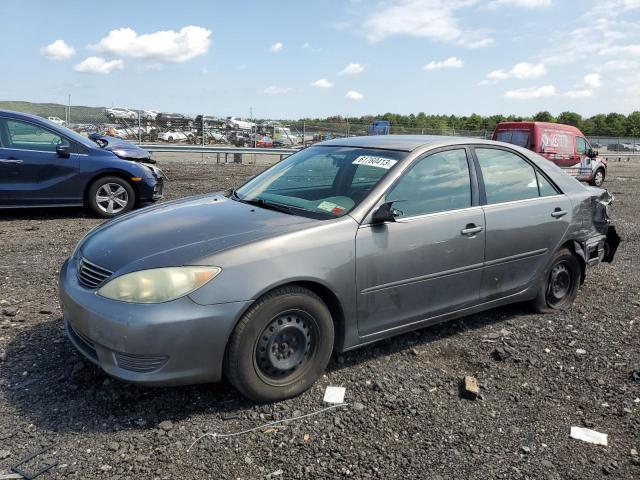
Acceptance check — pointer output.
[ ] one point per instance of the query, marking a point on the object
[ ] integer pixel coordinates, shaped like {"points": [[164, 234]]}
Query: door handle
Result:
{"points": [[558, 213], [10, 160], [471, 229]]}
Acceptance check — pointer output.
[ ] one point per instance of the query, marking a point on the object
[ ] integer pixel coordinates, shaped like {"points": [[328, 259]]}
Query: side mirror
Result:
{"points": [[385, 213], [63, 149], [592, 153]]}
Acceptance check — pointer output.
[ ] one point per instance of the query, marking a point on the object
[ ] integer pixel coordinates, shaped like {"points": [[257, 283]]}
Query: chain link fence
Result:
{"points": [[153, 127]]}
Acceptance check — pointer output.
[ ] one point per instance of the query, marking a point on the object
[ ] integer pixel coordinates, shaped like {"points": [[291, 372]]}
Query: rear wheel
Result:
{"points": [[280, 346], [559, 286], [110, 196], [598, 177]]}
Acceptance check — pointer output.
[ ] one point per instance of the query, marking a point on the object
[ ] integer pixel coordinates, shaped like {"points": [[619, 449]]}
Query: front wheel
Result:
{"points": [[110, 196], [598, 177], [559, 285], [280, 346]]}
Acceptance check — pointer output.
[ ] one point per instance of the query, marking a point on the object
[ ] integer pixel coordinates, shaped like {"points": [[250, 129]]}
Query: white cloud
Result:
{"points": [[277, 47], [592, 80], [531, 92], [520, 71], [433, 19], [58, 50], [482, 43], [353, 95], [633, 49], [98, 65], [522, 3], [579, 94], [166, 45], [305, 45], [322, 83], [275, 90], [621, 65], [613, 8], [451, 62], [351, 69]]}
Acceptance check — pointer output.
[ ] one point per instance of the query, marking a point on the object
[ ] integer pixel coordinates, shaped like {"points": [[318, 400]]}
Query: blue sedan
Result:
{"points": [[45, 165]]}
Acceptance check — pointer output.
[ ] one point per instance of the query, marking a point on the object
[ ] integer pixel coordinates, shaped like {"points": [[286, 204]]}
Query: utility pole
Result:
{"points": [[68, 119]]}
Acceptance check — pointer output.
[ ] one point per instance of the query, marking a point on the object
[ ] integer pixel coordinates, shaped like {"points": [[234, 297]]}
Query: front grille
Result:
{"points": [[90, 274], [139, 363]]}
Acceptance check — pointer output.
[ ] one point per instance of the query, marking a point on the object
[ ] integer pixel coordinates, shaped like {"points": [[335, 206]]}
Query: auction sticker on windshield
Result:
{"points": [[379, 162]]}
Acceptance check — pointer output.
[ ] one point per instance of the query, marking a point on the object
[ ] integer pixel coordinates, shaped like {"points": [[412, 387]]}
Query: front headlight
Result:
{"points": [[158, 285]]}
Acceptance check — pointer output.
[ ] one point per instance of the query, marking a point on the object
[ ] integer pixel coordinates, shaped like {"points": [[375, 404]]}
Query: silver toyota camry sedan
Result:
{"points": [[341, 244]]}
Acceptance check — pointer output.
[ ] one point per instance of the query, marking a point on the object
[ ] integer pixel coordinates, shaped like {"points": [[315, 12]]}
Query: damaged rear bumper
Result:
{"points": [[601, 238]]}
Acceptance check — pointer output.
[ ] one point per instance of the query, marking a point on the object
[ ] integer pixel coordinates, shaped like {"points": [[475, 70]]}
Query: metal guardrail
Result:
{"points": [[215, 149]]}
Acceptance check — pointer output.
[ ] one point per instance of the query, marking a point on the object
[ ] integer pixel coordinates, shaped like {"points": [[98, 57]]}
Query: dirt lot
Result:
{"points": [[405, 418]]}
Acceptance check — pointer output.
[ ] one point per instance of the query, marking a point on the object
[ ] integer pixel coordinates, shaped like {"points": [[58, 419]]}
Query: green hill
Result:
{"points": [[79, 114]]}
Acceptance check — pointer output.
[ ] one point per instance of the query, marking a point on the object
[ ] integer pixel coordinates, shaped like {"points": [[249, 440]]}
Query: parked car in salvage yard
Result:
{"points": [[43, 164], [342, 244]]}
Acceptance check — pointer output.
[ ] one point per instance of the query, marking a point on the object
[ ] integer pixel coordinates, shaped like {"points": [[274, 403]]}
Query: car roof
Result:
{"points": [[405, 143]]}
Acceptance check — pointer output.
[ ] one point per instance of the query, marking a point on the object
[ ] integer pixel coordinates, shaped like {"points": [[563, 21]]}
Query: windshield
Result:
{"points": [[322, 181], [514, 137]]}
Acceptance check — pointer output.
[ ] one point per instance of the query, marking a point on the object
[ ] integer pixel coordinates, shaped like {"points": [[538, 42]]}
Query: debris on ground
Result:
{"points": [[11, 476], [502, 353], [470, 387], [216, 435], [165, 425], [334, 395], [21, 469], [589, 436]]}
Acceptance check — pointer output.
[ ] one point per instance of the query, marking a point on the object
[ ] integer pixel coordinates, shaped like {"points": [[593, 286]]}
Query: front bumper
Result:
{"points": [[172, 343]]}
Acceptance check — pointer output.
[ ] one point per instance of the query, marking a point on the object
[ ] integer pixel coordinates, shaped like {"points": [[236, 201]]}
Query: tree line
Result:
{"points": [[611, 124]]}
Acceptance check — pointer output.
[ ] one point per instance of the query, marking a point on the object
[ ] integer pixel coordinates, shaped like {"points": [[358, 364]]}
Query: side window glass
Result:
{"points": [[437, 183], [581, 145], [546, 188], [507, 177], [26, 136]]}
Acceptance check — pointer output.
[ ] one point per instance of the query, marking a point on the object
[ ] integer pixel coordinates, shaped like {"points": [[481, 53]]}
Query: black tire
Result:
{"points": [[560, 283], [598, 177], [121, 190], [267, 359]]}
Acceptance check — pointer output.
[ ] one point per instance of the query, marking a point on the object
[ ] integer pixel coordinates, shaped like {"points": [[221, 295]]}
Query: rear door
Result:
{"points": [[526, 218], [36, 175], [428, 262]]}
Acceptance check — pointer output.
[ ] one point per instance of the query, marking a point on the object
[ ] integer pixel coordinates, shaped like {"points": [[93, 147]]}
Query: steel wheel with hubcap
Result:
{"points": [[281, 345], [110, 196]]}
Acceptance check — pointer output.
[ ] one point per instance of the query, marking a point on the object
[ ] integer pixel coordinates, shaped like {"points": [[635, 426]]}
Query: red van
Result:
{"points": [[564, 145]]}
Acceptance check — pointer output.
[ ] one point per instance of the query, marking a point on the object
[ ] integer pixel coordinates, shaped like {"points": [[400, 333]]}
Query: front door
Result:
{"points": [[526, 218], [428, 262], [35, 174]]}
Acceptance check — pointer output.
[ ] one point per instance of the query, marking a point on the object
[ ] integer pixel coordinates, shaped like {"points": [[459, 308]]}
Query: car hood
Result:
{"points": [[182, 232], [121, 148]]}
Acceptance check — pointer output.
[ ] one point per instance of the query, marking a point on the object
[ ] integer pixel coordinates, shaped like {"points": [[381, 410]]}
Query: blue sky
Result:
{"points": [[291, 59]]}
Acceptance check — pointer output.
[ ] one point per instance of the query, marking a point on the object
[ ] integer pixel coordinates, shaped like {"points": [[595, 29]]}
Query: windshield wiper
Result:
{"points": [[261, 202]]}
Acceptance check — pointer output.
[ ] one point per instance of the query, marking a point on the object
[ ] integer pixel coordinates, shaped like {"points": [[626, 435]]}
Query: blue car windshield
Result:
{"points": [[321, 181]]}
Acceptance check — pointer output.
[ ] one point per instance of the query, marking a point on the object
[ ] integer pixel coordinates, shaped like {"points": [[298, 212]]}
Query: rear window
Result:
{"points": [[514, 137]]}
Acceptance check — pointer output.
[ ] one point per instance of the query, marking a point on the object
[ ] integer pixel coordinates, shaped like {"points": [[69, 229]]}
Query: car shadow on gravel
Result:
{"points": [[53, 387], [44, 214]]}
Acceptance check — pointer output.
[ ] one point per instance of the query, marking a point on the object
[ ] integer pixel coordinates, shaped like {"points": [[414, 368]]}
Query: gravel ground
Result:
{"points": [[405, 418]]}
